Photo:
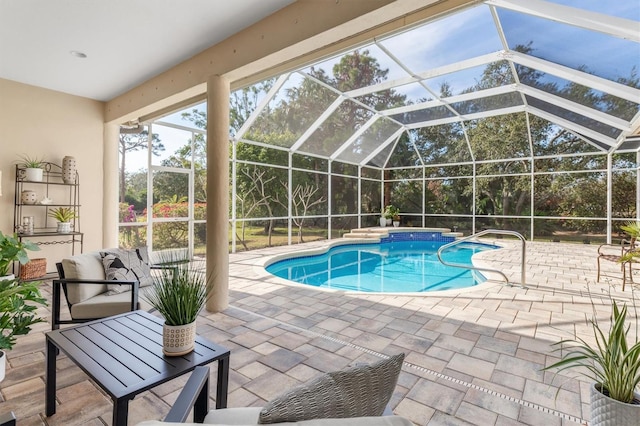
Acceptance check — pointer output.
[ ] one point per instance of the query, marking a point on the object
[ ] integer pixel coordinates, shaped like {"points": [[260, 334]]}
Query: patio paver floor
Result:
{"points": [[473, 356]]}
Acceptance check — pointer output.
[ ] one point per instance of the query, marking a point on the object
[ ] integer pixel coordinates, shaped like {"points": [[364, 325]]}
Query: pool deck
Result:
{"points": [[472, 357]]}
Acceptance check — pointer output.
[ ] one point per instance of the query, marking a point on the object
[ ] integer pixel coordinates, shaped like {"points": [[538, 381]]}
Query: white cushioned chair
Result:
{"points": [[83, 282]]}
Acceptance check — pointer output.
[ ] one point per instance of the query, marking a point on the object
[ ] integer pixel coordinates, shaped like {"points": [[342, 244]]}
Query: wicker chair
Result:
{"points": [[616, 253]]}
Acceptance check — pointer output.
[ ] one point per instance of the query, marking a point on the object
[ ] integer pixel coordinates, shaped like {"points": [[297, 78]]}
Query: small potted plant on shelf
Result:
{"points": [[613, 363], [179, 293], [64, 216], [12, 249], [18, 305], [32, 168]]}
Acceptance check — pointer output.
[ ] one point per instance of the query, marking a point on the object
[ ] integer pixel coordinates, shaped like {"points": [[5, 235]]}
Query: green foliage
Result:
{"points": [[63, 214], [13, 250], [18, 305], [31, 162], [390, 211], [611, 361], [632, 229], [179, 291]]}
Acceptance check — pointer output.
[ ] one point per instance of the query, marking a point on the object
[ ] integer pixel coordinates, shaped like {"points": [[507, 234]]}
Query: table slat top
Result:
{"points": [[124, 355]]}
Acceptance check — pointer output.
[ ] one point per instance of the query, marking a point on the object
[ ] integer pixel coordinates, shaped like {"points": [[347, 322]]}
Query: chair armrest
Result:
{"points": [[8, 419], [191, 395], [602, 248], [81, 281]]}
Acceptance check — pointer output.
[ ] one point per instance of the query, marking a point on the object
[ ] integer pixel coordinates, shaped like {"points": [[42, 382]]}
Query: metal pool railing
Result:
{"points": [[523, 278]]}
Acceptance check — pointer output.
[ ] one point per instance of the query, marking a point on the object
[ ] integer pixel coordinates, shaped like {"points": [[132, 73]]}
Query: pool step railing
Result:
{"points": [[523, 279]]}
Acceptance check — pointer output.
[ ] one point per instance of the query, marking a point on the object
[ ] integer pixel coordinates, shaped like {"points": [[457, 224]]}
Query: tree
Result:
{"points": [[131, 143]]}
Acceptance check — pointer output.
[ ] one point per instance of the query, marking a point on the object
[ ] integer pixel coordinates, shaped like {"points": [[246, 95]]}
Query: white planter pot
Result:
{"points": [[64, 227], [396, 223], [178, 339], [3, 364], [383, 221], [606, 411], [33, 175]]}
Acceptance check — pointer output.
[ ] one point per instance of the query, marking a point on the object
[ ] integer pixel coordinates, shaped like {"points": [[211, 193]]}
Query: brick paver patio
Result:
{"points": [[473, 356]]}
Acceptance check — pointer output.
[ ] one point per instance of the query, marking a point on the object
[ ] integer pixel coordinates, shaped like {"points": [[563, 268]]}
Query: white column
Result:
{"points": [[111, 137], [218, 92]]}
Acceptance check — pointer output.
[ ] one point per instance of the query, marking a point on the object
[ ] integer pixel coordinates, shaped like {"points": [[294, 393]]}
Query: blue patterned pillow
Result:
{"points": [[126, 265]]}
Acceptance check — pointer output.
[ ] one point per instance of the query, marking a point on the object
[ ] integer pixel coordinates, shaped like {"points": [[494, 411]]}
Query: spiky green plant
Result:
{"points": [[179, 291], [30, 162], [632, 229], [63, 214], [611, 361]]}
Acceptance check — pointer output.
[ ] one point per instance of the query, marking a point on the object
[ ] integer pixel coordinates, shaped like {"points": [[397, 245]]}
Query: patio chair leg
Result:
{"points": [[598, 278]]}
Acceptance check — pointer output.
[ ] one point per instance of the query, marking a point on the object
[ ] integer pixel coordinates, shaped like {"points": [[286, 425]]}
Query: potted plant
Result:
{"points": [[613, 363], [389, 212], [12, 250], [64, 216], [179, 293], [396, 220], [18, 304], [32, 168]]}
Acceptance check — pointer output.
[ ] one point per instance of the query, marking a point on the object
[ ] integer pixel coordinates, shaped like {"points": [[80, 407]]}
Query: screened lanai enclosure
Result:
{"points": [[508, 114]]}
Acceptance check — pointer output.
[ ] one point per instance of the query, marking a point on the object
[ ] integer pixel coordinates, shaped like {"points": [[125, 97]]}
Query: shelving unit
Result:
{"points": [[62, 194]]}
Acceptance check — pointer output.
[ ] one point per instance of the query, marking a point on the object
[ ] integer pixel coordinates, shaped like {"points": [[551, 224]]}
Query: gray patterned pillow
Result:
{"points": [[358, 391], [126, 265]]}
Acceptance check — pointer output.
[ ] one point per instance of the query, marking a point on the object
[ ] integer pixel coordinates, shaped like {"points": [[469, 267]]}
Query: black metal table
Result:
{"points": [[123, 355]]}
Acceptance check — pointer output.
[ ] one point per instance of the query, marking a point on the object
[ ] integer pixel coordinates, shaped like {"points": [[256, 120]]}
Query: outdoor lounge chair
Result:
{"points": [[342, 386], [88, 292], [615, 253]]}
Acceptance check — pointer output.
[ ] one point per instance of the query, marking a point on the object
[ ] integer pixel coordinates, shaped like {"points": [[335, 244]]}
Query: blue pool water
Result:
{"points": [[387, 267]]}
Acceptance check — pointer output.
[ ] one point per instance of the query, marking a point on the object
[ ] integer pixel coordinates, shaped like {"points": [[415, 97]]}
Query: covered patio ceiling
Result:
{"points": [[572, 63]]}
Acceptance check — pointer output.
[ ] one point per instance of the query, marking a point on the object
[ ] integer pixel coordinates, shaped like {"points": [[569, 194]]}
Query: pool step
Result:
{"points": [[377, 233], [370, 233]]}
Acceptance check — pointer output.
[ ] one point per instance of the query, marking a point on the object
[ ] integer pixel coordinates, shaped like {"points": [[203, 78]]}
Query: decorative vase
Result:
{"points": [[33, 175], [69, 169], [28, 196], [383, 221], [389, 222], [3, 363], [64, 227], [178, 340], [607, 411]]}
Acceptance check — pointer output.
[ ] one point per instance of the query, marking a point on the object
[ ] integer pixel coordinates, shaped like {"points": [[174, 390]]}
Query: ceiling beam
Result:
{"points": [[593, 21]]}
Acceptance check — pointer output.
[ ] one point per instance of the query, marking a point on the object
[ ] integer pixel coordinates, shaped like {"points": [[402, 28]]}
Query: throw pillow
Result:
{"points": [[126, 265], [359, 391]]}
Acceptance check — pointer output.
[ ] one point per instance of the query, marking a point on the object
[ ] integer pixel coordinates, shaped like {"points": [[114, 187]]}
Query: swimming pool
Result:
{"points": [[386, 267]]}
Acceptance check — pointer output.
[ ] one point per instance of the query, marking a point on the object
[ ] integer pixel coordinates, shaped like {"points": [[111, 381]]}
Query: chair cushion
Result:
{"points": [[105, 305], [359, 391], [86, 266], [129, 265]]}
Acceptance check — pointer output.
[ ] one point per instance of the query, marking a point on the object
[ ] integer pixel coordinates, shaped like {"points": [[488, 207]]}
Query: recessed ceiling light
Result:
{"points": [[78, 54]]}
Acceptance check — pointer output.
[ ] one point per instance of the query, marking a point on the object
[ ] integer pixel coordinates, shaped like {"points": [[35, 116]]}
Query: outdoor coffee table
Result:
{"points": [[123, 355]]}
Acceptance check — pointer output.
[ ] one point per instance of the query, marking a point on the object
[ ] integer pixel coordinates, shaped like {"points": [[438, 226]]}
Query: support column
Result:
{"points": [[111, 138], [218, 92]]}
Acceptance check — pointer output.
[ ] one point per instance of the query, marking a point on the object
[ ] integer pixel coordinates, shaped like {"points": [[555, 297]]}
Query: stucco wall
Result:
{"points": [[44, 123]]}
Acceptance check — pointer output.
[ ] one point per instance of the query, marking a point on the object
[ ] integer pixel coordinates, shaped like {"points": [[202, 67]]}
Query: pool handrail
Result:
{"points": [[523, 277]]}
